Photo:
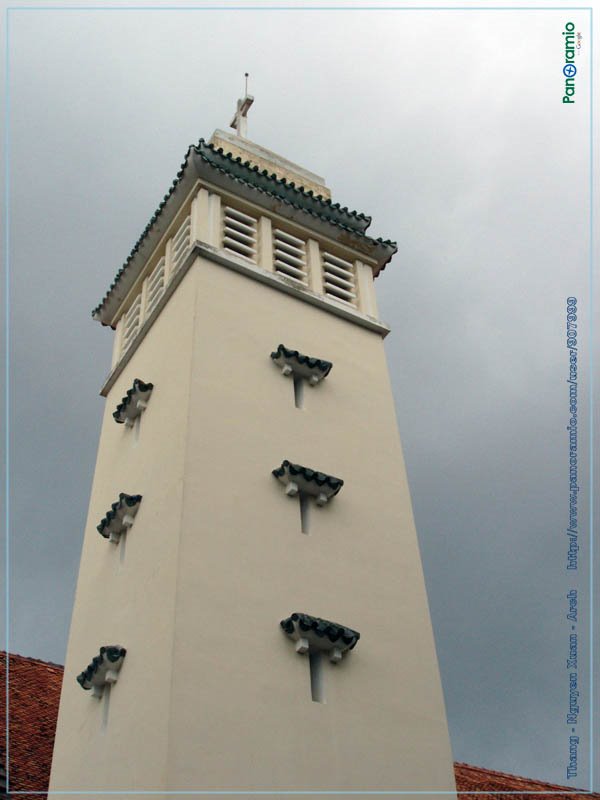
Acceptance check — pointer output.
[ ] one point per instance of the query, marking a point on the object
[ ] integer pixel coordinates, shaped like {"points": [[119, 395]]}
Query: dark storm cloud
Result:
{"points": [[421, 120]]}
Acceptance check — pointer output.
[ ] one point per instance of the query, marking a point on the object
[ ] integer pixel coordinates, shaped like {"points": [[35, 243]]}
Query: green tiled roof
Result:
{"points": [[137, 388], [125, 501], [111, 653], [309, 475], [205, 156], [313, 363], [285, 190], [333, 631]]}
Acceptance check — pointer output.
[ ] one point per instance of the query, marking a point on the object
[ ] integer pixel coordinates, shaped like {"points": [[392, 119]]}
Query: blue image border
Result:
{"points": [[7, 243]]}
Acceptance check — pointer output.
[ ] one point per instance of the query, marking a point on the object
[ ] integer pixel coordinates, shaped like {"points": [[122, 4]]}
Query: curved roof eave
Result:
{"points": [[291, 203]]}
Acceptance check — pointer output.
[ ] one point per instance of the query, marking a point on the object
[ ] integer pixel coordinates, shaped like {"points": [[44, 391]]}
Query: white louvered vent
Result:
{"points": [[289, 256], [239, 233], [131, 323], [339, 280], [181, 245], [155, 286]]}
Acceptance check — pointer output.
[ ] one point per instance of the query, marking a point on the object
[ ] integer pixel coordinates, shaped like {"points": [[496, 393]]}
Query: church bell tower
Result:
{"points": [[250, 612]]}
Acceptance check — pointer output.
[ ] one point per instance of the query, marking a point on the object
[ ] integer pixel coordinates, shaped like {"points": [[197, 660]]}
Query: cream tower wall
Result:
{"points": [[126, 594], [211, 694], [241, 710]]}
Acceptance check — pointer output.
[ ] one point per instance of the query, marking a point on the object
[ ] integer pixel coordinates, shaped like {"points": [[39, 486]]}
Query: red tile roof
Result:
{"points": [[35, 693], [477, 779]]}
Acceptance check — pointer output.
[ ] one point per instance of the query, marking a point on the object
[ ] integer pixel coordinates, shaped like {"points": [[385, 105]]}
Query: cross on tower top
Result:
{"points": [[240, 118]]}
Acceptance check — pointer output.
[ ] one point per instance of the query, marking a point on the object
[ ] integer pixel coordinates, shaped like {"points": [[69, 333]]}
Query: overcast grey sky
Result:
{"points": [[448, 127]]}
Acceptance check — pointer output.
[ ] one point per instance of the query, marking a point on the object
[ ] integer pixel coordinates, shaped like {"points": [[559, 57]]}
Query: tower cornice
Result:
{"points": [[205, 162], [230, 261]]}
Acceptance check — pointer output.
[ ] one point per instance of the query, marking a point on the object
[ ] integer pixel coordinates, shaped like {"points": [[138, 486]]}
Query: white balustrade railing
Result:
{"points": [[239, 233], [240, 237], [289, 256], [131, 323], [339, 279], [181, 245], [155, 286]]}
